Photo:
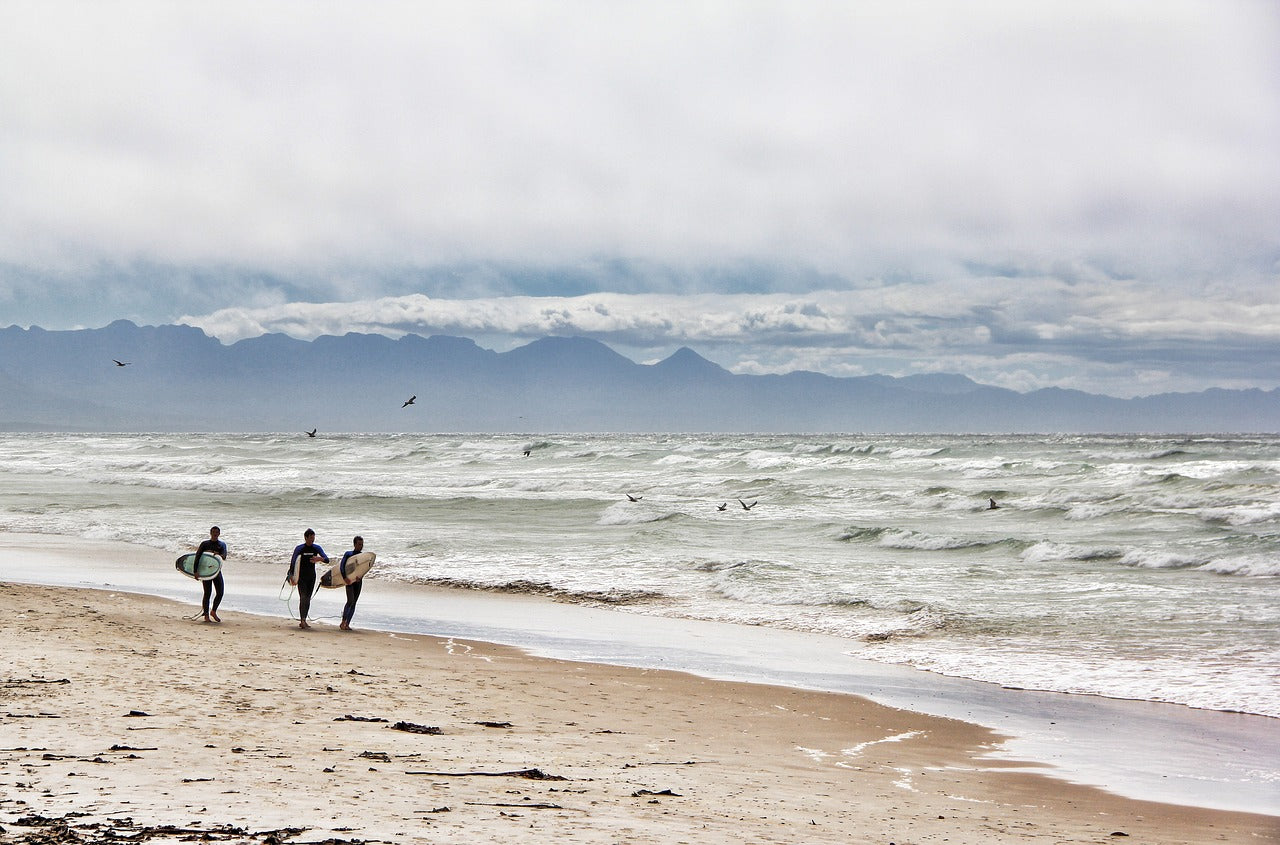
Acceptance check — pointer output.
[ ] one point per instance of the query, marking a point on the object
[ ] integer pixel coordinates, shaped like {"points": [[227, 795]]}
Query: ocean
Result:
{"points": [[1134, 567]]}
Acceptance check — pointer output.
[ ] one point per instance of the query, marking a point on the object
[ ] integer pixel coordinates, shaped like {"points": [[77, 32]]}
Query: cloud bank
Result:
{"points": [[1093, 336]]}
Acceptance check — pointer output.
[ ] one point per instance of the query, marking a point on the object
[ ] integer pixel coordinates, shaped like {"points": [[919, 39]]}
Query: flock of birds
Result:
{"points": [[527, 452], [720, 507]]}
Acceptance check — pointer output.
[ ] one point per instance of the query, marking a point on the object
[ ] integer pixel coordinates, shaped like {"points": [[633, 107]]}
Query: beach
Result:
{"points": [[121, 713]]}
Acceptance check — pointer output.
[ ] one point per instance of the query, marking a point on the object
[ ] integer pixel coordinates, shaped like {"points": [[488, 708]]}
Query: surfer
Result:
{"points": [[302, 572], [213, 546], [353, 585]]}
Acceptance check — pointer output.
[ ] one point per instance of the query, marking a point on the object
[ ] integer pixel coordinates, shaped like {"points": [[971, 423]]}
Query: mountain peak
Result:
{"points": [[685, 360]]}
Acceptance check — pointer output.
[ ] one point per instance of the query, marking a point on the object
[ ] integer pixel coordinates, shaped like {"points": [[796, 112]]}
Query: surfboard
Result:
{"points": [[357, 567], [207, 567]]}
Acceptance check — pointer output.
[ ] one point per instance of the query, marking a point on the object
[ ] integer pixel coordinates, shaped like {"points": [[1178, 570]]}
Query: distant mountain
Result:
{"points": [[179, 379]]}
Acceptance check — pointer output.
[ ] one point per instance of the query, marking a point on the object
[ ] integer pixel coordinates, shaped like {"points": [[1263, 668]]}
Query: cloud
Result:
{"points": [[1003, 330]]}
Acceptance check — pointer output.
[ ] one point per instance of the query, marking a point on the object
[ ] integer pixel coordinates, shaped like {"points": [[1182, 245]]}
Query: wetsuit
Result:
{"points": [[219, 548], [303, 554], [353, 589]]}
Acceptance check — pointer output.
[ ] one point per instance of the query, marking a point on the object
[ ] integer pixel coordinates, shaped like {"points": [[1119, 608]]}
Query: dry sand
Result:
{"points": [[120, 717]]}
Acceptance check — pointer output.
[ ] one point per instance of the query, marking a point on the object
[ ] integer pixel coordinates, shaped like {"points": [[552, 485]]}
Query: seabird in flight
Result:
{"points": [[312, 432], [634, 498], [722, 506], [122, 363], [409, 401], [745, 506], [993, 506]]}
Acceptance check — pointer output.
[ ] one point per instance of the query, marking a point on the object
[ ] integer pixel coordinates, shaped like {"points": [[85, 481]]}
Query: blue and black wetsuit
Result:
{"points": [[353, 589], [303, 558], [219, 548]]}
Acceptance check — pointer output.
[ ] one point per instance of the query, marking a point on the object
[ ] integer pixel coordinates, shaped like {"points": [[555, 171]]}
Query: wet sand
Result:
{"points": [[119, 712]]}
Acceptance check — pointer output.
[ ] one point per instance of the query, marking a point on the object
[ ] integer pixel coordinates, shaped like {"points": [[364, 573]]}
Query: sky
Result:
{"points": [[1078, 194]]}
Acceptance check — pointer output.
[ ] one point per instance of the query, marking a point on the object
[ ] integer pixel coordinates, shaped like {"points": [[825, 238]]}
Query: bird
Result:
{"points": [[528, 452], [312, 432], [409, 401], [993, 506], [721, 507], [122, 363], [634, 498], [745, 506]]}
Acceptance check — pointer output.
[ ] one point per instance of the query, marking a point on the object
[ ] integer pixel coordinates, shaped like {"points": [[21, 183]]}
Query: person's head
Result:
{"points": [[357, 542], [214, 532], [308, 535]]}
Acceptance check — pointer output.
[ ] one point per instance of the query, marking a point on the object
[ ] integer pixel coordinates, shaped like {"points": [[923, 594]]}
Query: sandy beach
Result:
{"points": [[123, 717]]}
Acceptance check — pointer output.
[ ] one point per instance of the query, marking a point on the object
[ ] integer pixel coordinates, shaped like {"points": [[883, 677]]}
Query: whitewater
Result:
{"points": [[1136, 567]]}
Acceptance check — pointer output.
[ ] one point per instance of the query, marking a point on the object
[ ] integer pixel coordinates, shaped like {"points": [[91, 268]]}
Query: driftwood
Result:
{"points": [[410, 727], [350, 718], [527, 774]]}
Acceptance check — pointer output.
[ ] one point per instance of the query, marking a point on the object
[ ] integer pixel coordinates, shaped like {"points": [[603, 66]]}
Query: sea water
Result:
{"points": [[1123, 566]]}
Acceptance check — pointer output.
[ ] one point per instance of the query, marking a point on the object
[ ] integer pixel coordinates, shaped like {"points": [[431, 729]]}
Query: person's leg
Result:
{"points": [[219, 587], [353, 595], [207, 586], [306, 586]]}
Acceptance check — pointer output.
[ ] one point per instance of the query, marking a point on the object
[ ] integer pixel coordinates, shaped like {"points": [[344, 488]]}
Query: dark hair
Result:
{"points": [[216, 528], [308, 532], [357, 539]]}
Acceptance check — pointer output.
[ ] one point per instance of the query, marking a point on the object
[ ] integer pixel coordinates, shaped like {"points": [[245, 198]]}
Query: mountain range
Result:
{"points": [[177, 378]]}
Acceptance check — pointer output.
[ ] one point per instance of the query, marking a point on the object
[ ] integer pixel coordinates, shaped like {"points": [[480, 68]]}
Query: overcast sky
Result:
{"points": [[1082, 194]]}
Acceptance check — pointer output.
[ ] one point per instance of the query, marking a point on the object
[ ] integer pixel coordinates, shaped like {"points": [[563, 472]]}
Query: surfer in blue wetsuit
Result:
{"points": [[213, 546], [353, 584], [302, 572]]}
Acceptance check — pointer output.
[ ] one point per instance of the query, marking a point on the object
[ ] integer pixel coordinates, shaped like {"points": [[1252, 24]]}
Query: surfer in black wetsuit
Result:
{"points": [[212, 546], [302, 572], [353, 585]]}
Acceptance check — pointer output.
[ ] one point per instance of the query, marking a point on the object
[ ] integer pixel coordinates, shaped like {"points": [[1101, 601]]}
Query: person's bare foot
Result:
{"points": [[206, 617], [303, 624], [214, 615], [344, 627]]}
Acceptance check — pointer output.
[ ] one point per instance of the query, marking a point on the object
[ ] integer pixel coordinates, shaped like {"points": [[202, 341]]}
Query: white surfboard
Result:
{"points": [[205, 568], [357, 567]]}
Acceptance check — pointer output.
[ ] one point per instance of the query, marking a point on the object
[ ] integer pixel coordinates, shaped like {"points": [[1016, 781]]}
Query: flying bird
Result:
{"points": [[721, 507], [634, 498], [409, 401], [745, 506], [993, 506], [312, 432], [122, 363]]}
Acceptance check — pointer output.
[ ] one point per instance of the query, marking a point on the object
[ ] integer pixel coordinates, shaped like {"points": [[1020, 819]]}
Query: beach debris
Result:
{"points": [[65, 829], [31, 716], [525, 806], [135, 714], [350, 718], [411, 727], [527, 774], [641, 792], [376, 756], [129, 748], [494, 724], [16, 682]]}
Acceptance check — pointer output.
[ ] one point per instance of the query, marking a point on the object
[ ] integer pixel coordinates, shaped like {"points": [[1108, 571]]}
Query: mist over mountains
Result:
{"points": [[180, 379]]}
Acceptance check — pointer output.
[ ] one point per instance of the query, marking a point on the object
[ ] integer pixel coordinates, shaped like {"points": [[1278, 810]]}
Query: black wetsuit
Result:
{"points": [[303, 554], [219, 548], [353, 590]]}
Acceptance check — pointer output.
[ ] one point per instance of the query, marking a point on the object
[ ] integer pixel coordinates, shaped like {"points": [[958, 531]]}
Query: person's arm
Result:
{"points": [[321, 553], [222, 550], [342, 565]]}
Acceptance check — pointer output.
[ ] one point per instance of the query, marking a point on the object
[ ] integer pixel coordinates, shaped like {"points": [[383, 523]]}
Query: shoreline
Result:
{"points": [[1129, 748], [251, 728]]}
